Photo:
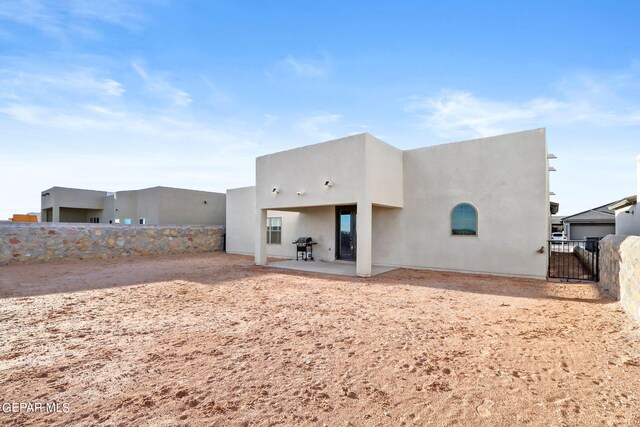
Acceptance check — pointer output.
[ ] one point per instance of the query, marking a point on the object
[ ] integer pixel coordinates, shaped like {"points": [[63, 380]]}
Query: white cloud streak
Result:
{"points": [[315, 126], [62, 18], [158, 84], [599, 102], [306, 68], [19, 84]]}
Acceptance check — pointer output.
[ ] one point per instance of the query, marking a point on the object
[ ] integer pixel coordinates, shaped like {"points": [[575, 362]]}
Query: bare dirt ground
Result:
{"points": [[203, 340]]}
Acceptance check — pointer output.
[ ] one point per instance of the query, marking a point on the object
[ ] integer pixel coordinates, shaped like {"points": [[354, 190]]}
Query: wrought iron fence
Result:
{"points": [[573, 259]]}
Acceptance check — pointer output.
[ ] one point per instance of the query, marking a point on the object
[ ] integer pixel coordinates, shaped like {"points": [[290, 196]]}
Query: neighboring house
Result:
{"points": [[556, 223], [596, 222], [153, 206], [626, 211], [627, 216], [476, 206]]}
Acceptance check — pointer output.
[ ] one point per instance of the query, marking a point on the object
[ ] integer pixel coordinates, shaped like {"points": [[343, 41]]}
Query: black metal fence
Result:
{"points": [[574, 259]]}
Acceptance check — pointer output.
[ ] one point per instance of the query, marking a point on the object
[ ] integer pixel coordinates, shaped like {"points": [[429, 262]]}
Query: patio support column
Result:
{"points": [[55, 213], [364, 235], [261, 238]]}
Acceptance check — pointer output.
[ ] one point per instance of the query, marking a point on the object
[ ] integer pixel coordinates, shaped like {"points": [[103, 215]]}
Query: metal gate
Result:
{"points": [[573, 259]]}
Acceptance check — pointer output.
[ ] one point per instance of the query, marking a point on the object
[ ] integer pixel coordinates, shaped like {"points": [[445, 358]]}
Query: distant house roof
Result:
{"points": [[623, 203], [601, 214]]}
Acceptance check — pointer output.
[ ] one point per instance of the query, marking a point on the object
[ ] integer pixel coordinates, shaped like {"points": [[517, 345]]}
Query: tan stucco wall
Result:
{"points": [[306, 169], [241, 217], [384, 173], [126, 206], [353, 164], [504, 177], [73, 198], [179, 206], [319, 224], [148, 206], [628, 221]]}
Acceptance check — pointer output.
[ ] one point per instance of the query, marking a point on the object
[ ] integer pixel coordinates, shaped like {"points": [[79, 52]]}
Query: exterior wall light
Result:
{"points": [[275, 190], [328, 183], [300, 193]]}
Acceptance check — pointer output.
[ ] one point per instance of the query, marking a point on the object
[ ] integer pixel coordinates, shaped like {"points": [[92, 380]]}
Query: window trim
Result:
{"points": [[475, 209], [269, 230]]}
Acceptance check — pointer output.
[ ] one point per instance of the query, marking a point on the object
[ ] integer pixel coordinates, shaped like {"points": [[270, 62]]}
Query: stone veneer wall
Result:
{"points": [[620, 271], [38, 242]]}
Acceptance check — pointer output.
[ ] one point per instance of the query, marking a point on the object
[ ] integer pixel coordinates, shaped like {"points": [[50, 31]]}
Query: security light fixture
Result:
{"points": [[205, 202], [300, 193], [275, 190], [328, 183]]}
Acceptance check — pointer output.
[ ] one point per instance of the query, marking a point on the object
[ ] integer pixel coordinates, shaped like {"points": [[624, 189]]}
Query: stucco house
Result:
{"points": [[151, 206], [477, 206], [626, 212], [596, 222]]}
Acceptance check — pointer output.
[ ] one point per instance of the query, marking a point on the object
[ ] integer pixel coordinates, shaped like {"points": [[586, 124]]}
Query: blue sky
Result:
{"points": [[117, 95]]}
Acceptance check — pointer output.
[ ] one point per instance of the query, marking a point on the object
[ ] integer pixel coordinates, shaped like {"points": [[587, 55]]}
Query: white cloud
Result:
{"points": [[306, 68], [217, 96], [458, 113], [602, 101], [269, 119], [168, 126], [59, 19], [19, 84], [158, 84], [315, 126]]}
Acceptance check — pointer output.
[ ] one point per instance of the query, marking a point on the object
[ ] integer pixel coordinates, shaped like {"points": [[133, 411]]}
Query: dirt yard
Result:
{"points": [[212, 340]]}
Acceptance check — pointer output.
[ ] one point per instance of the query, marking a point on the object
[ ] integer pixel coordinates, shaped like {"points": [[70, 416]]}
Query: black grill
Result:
{"points": [[304, 248]]}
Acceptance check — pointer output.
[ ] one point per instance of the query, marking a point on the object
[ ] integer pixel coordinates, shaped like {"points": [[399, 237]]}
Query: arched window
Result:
{"points": [[464, 220]]}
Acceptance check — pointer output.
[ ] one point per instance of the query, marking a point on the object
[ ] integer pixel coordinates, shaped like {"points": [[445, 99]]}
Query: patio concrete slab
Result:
{"points": [[336, 267]]}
